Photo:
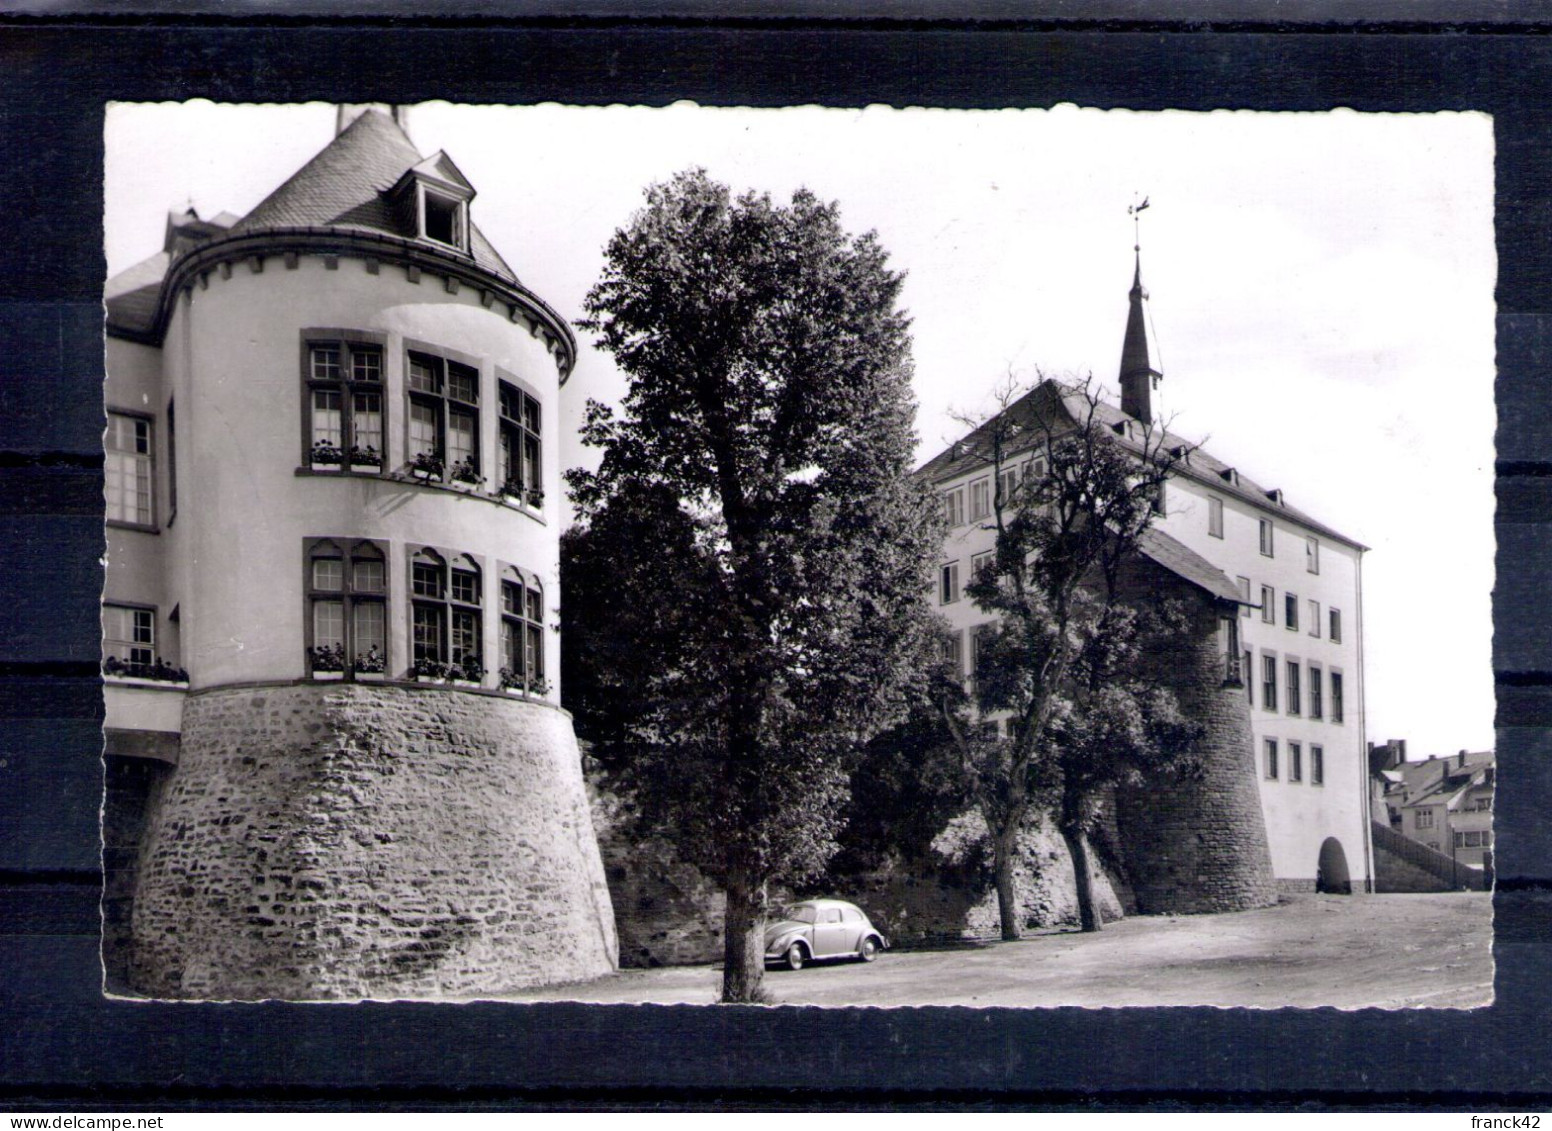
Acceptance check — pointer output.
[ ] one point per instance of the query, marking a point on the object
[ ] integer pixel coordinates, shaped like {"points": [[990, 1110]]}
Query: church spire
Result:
{"points": [[1138, 377]]}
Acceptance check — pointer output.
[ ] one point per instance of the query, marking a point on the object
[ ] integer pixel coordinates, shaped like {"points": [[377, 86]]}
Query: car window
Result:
{"points": [[831, 915], [851, 915], [800, 913]]}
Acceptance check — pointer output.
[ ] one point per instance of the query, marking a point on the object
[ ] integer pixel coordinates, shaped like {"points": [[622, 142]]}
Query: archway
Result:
{"points": [[1331, 872]]}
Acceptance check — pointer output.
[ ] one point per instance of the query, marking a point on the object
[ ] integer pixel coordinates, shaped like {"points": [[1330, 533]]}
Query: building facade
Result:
{"points": [[1445, 803], [337, 764], [1295, 629]]}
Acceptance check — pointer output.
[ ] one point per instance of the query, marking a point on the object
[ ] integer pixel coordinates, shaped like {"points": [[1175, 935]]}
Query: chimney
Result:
{"points": [[348, 112]]}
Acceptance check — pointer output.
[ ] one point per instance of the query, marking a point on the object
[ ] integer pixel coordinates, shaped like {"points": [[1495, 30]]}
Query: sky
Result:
{"points": [[1320, 290]]}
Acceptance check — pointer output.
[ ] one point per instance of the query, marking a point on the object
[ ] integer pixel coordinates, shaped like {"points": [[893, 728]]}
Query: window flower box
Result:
{"points": [[536, 498], [515, 683], [429, 671], [514, 490], [371, 666], [325, 456], [468, 672], [327, 661], [466, 471], [426, 465], [367, 459], [156, 673]]}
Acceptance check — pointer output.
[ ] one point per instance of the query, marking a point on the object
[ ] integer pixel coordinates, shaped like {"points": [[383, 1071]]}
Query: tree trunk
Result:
{"points": [[743, 942], [1004, 856], [1078, 848]]}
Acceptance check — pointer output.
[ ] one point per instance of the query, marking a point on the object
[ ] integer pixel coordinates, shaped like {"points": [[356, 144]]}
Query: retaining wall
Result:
{"points": [[349, 841]]}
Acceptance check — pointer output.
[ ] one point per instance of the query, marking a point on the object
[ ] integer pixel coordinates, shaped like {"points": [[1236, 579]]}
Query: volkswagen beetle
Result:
{"points": [[821, 929]]}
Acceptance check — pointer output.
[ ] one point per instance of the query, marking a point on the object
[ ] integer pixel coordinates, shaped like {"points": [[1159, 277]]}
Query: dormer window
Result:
{"points": [[432, 200], [442, 219]]}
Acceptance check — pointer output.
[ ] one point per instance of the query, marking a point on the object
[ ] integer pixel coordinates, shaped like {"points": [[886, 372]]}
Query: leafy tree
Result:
{"points": [[1062, 664], [768, 426]]}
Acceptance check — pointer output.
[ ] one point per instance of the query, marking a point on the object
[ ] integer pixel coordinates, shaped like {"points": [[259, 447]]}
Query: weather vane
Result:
{"points": [[1134, 211]]}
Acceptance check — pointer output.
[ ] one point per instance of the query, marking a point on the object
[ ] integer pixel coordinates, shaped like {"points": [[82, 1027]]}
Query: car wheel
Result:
{"points": [[795, 957], [869, 950]]}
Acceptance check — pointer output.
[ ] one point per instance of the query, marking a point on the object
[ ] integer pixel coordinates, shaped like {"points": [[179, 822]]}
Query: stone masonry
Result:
{"points": [[1196, 842], [341, 841]]}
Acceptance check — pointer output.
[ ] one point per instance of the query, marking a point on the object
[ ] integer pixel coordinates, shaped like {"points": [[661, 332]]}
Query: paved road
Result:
{"points": [[1389, 951]]}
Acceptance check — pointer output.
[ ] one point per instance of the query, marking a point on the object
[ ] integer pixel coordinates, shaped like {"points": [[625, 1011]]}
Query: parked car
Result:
{"points": [[817, 930]]}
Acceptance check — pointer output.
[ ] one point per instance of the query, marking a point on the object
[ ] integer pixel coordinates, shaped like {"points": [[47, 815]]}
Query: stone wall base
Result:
{"points": [[341, 841]]}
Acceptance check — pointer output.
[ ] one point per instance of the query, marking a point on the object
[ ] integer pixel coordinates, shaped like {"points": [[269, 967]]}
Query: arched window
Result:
{"points": [[522, 632], [347, 597]]}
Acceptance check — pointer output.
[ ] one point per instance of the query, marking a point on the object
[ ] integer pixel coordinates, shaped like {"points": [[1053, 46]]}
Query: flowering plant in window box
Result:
{"points": [[466, 471], [326, 456], [130, 669], [426, 465], [429, 671], [328, 661], [366, 458], [467, 670], [519, 684], [535, 497], [513, 489], [371, 665]]}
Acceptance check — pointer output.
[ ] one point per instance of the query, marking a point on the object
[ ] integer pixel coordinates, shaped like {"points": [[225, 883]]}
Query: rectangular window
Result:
{"points": [[520, 472], [1312, 555], [1316, 693], [1244, 593], [1214, 516], [977, 640], [1159, 501], [1007, 486], [129, 634], [948, 588], [1335, 633], [345, 406], [1295, 761], [127, 470], [951, 651], [1271, 758], [954, 506], [1317, 765], [1291, 612], [1314, 618], [1268, 605], [1266, 537], [1250, 678], [1269, 682], [1336, 697], [1295, 704], [444, 419], [980, 498], [981, 562], [1423, 819]]}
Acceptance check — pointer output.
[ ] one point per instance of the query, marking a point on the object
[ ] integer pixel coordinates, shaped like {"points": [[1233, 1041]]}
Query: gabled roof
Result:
{"points": [[1062, 408], [1186, 563], [344, 187], [440, 167]]}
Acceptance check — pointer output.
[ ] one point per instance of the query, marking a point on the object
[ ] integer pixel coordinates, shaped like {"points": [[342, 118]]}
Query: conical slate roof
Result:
{"points": [[1134, 346], [345, 187]]}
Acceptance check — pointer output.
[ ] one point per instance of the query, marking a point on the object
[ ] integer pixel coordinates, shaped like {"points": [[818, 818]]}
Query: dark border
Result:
{"points": [[63, 1045]]}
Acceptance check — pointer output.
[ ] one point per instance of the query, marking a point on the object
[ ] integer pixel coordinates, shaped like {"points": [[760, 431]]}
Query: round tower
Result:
{"points": [[376, 793]]}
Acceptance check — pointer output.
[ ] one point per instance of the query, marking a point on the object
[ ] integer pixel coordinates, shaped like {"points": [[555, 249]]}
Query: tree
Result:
{"points": [[768, 424], [1061, 663]]}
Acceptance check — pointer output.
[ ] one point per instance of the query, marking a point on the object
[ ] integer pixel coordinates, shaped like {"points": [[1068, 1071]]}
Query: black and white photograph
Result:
{"points": [[806, 556]]}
